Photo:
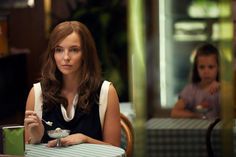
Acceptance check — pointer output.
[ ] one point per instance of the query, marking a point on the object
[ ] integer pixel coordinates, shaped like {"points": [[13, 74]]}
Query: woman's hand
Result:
{"points": [[70, 140], [34, 126], [214, 87]]}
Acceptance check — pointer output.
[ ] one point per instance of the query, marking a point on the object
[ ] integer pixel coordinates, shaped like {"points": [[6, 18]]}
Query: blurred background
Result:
{"points": [[145, 46], [171, 32]]}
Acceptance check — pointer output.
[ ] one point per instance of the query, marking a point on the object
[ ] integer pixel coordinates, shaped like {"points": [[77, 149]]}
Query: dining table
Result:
{"points": [[183, 137], [81, 150]]}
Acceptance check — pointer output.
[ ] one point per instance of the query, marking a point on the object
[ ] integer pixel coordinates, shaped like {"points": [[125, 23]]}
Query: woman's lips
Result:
{"points": [[66, 66]]}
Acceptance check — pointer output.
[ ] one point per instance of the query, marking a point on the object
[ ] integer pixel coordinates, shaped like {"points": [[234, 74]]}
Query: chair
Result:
{"points": [[127, 139], [210, 151]]}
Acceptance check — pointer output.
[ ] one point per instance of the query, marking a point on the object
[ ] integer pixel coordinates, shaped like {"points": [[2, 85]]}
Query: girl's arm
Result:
{"points": [[179, 111], [214, 87], [34, 128]]}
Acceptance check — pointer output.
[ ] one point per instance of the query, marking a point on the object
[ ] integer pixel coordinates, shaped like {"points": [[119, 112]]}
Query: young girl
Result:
{"points": [[200, 98], [68, 92]]}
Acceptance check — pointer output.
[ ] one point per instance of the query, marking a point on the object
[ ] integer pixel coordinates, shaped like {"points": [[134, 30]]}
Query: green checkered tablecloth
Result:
{"points": [[81, 150], [168, 137]]}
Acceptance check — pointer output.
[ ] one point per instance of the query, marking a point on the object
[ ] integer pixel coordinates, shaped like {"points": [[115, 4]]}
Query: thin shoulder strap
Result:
{"points": [[103, 98], [38, 99]]}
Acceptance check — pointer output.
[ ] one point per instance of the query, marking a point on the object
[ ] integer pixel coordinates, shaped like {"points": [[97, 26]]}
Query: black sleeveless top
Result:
{"points": [[87, 123]]}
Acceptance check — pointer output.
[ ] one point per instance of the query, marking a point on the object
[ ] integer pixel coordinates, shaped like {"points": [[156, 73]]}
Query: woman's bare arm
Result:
{"points": [[112, 126], [33, 125]]}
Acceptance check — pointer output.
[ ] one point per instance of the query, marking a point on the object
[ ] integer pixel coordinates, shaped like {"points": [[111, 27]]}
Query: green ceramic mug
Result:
{"points": [[12, 140]]}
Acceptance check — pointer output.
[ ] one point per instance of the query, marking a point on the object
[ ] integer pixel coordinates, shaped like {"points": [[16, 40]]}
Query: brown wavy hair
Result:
{"points": [[90, 72]]}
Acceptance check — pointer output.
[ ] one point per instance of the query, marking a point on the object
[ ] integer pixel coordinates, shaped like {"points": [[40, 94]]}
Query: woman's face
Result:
{"points": [[68, 55], [207, 68]]}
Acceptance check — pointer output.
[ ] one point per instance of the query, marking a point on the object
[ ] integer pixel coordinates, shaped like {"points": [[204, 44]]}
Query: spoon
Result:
{"points": [[47, 122]]}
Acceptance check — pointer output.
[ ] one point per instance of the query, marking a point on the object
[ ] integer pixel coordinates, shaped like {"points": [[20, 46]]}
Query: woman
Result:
{"points": [[69, 91]]}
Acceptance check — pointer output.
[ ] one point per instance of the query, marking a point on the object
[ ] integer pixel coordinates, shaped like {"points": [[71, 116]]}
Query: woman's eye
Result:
{"points": [[74, 49], [58, 49]]}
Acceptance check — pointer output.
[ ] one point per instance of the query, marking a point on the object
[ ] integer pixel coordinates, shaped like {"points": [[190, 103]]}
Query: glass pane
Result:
{"points": [[182, 28]]}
